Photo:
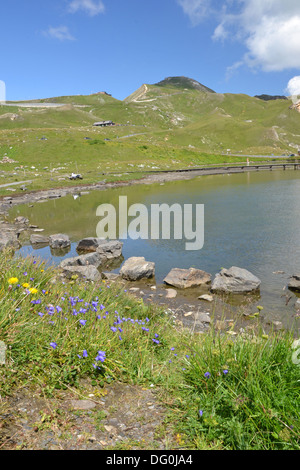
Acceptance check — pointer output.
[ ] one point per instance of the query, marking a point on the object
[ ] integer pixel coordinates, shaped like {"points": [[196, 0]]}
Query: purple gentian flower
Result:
{"points": [[101, 356], [207, 375], [82, 322], [53, 345]]}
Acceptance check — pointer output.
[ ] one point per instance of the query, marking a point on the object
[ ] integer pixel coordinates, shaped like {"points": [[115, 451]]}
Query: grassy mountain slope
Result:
{"points": [[171, 112], [158, 127]]}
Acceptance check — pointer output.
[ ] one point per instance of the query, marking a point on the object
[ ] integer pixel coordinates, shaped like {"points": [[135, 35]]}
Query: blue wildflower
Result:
{"points": [[101, 356]]}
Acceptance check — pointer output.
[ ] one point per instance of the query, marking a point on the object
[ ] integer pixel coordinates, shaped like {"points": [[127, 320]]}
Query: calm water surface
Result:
{"points": [[251, 221]]}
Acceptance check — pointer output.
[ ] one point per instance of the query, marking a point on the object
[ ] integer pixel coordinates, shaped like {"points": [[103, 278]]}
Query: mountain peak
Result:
{"points": [[184, 82]]}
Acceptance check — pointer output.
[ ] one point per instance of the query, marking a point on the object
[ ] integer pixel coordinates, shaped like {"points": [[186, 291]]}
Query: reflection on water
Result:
{"points": [[252, 221]]}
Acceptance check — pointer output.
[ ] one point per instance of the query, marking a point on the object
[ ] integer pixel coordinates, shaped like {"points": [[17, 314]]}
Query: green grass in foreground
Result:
{"points": [[220, 393]]}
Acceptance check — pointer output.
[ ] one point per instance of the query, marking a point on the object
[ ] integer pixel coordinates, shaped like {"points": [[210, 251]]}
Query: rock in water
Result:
{"points": [[21, 220], [108, 249], [187, 278], [171, 293], [59, 241], [91, 259], [236, 281], [135, 269], [294, 283], [206, 297], [38, 239]]}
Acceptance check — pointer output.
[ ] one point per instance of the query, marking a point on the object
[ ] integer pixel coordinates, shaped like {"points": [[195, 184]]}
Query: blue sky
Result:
{"points": [[69, 47]]}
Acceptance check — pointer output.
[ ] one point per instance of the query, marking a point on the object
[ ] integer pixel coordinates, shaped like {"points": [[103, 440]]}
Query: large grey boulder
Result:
{"points": [[9, 240], [187, 278], [59, 241], [108, 249], [88, 245], [90, 273], [294, 283], [236, 281], [136, 268], [36, 239], [91, 259]]}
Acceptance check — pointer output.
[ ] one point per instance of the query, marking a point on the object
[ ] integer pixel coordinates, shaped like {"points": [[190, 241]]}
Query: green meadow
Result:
{"points": [[220, 391]]}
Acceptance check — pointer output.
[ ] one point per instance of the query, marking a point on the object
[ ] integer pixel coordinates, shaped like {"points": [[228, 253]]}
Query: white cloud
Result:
{"points": [[220, 33], [270, 29], [61, 32], [91, 7], [293, 87], [196, 10]]}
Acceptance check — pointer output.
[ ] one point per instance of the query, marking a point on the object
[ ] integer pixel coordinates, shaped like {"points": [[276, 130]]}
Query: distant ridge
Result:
{"points": [[183, 82], [270, 97]]}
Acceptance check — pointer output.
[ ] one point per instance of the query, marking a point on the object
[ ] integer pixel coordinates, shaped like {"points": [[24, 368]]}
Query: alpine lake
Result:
{"points": [[251, 220]]}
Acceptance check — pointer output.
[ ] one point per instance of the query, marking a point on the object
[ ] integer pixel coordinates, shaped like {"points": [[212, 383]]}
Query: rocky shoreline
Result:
{"points": [[191, 295], [31, 197]]}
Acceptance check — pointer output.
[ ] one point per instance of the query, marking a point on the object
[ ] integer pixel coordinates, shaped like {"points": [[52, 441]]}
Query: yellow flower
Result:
{"points": [[42, 270], [33, 290], [26, 285], [13, 280]]}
